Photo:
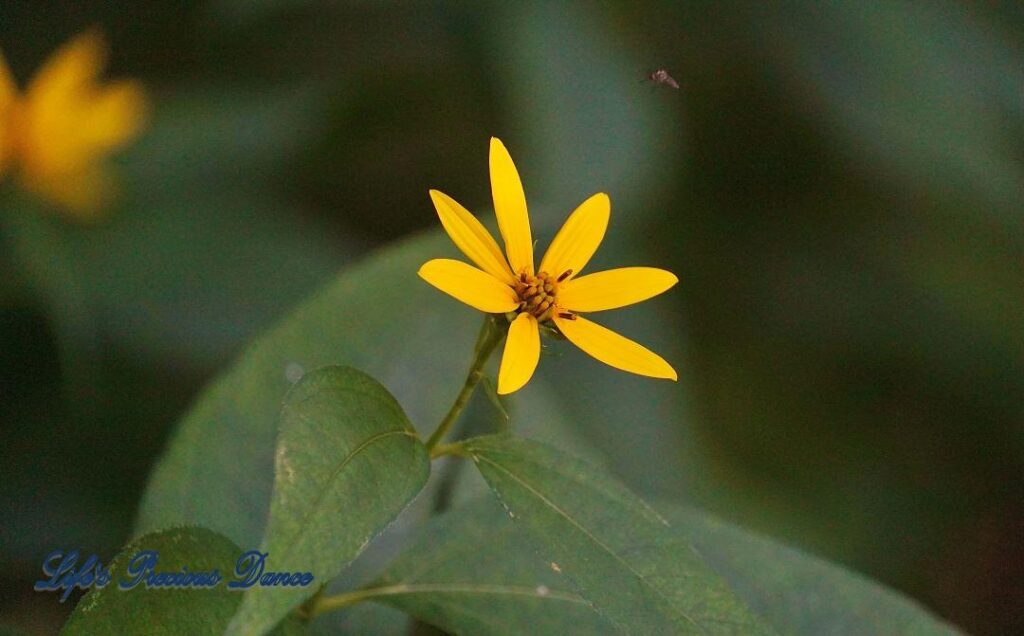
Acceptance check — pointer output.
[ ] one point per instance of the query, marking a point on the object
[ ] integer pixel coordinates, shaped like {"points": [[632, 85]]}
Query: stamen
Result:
{"points": [[537, 294], [566, 274], [567, 316]]}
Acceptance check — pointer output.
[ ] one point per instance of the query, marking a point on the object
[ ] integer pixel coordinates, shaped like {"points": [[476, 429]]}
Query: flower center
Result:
{"points": [[537, 294]]}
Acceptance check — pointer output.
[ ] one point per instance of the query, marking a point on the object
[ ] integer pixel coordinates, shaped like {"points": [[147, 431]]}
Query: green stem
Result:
{"points": [[455, 449], [340, 601], [490, 335]]}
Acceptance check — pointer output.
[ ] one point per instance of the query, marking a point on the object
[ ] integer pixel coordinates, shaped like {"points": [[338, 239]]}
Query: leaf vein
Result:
{"points": [[589, 534], [334, 474], [481, 588]]}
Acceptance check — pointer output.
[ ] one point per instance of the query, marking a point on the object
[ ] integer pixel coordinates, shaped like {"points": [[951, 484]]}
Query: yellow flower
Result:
{"points": [[55, 134], [553, 293]]}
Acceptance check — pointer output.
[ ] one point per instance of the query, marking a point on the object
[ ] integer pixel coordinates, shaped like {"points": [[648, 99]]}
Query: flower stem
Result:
{"points": [[490, 335]]}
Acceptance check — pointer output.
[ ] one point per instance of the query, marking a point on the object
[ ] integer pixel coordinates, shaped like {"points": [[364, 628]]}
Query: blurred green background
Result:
{"points": [[838, 185]]}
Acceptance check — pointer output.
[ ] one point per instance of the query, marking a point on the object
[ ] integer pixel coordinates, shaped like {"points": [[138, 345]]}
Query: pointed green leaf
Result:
{"points": [[795, 592], [475, 572], [110, 610], [348, 462], [492, 395], [622, 555]]}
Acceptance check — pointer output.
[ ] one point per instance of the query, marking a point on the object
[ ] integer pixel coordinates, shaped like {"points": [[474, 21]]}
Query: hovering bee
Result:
{"points": [[662, 77]]}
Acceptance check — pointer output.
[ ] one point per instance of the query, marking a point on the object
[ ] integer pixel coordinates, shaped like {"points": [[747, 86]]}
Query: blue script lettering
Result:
{"points": [[142, 569], [60, 568], [250, 570]]}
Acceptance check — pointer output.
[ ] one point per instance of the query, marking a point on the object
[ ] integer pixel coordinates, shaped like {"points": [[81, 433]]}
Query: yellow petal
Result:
{"points": [[510, 208], [8, 98], [57, 97], [614, 288], [73, 67], [522, 352], [70, 120], [613, 349], [466, 283], [115, 115], [471, 237], [579, 237]]}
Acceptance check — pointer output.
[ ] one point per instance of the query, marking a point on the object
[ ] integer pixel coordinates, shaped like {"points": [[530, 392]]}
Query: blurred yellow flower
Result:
{"points": [[54, 136], [554, 293]]}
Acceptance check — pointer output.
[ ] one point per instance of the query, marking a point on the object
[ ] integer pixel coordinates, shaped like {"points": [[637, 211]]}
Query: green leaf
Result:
{"points": [[140, 610], [796, 592], [348, 462], [475, 572], [622, 555]]}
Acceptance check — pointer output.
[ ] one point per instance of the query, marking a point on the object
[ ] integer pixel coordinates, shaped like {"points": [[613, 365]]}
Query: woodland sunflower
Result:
{"points": [[554, 293], [54, 135]]}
